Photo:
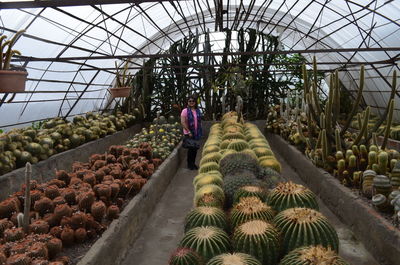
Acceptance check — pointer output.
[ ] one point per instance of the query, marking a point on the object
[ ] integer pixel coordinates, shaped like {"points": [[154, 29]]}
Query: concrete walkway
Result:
{"points": [[164, 229]]}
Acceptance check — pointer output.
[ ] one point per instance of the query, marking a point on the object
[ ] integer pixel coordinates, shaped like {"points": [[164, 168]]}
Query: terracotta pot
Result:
{"points": [[12, 81], [120, 92]]}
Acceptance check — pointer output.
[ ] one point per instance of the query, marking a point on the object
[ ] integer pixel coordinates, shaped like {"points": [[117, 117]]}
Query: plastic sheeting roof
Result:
{"points": [[97, 33]]}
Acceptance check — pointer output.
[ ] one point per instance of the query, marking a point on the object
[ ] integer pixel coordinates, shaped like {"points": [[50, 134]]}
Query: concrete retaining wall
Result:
{"points": [[113, 245], [378, 235], [44, 170]]}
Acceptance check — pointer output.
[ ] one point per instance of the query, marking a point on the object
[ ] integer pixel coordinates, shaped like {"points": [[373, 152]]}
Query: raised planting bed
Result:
{"points": [[114, 244], [44, 170], [378, 234]]}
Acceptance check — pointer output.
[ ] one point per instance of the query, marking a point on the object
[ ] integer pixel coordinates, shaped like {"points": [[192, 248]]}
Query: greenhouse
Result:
{"points": [[196, 132]]}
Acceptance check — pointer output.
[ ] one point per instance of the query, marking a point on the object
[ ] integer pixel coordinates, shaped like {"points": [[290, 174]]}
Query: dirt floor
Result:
{"points": [[164, 229]]}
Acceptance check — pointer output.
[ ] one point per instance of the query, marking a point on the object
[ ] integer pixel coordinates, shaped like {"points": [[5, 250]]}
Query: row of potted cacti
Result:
{"points": [[354, 158], [31, 144], [74, 206], [237, 221]]}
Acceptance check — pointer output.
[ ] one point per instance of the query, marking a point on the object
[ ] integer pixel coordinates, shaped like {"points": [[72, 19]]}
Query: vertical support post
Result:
{"points": [[27, 203]]}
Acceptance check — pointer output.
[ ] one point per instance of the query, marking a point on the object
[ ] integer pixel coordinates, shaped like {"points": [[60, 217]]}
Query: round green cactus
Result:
{"points": [[209, 195], [210, 166], [312, 255], [250, 191], [289, 195], [233, 182], [208, 241], [238, 145], [211, 157], [233, 135], [251, 208], [238, 161], [233, 259], [263, 151], [210, 149], [185, 256], [208, 179], [259, 239], [305, 227], [206, 216]]}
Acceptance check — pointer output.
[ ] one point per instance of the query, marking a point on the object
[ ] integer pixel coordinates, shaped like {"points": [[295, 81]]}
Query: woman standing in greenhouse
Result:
{"points": [[191, 123]]}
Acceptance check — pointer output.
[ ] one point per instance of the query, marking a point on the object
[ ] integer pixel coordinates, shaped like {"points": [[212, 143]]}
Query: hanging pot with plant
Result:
{"points": [[12, 79], [123, 83]]}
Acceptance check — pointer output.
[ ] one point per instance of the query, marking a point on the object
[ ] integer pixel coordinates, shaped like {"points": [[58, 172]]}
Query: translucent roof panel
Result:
{"points": [[70, 51]]}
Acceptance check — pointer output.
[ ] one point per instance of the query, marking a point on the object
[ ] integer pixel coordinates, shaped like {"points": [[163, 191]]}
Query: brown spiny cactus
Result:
{"points": [[62, 210], [13, 234], [52, 191], [38, 250], [39, 227], [19, 259], [54, 246], [67, 236], [80, 235], [85, 200], [98, 210], [112, 212], [43, 206]]}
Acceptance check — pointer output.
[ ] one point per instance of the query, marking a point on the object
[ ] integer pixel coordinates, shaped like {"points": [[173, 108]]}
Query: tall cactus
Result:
{"points": [[356, 103], [388, 124], [363, 127]]}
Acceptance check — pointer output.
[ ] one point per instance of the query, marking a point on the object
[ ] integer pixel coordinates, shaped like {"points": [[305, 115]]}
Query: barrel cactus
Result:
{"points": [[209, 179], [251, 208], [210, 157], [259, 239], [233, 135], [395, 176], [210, 149], [209, 166], [205, 216], [304, 227], [238, 145], [271, 162], [382, 185], [381, 203], [234, 259], [233, 182], [209, 195], [289, 195], [238, 161], [208, 241], [367, 183], [312, 255], [185, 256], [250, 191]]}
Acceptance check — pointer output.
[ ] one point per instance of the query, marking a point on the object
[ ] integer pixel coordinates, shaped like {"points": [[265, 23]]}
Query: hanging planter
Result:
{"points": [[123, 83], [12, 80], [120, 92]]}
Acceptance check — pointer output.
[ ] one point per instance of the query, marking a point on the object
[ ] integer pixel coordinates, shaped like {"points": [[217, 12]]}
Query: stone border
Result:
{"points": [[112, 246], [378, 235], [44, 170]]}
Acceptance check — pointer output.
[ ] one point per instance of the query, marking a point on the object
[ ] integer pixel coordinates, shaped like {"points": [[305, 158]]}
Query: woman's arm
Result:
{"points": [[184, 124]]}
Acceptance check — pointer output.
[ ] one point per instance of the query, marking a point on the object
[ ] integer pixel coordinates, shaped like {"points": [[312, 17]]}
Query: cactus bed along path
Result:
{"points": [[165, 226]]}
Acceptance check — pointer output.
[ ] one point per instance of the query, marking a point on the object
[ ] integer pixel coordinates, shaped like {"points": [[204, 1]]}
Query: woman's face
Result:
{"points": [[191, 102]]}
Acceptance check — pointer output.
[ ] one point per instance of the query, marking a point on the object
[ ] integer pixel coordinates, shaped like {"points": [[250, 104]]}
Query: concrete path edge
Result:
{"points": [[378, 235]]}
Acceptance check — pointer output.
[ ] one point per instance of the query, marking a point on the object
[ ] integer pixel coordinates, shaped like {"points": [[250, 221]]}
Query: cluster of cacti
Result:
{"points": [[258, 234], [162, 137], [354, 158], [74, 206], [31, 144]]}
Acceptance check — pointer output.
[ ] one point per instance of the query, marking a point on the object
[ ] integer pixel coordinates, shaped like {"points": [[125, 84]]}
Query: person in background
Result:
{"points": [[191, 123]]}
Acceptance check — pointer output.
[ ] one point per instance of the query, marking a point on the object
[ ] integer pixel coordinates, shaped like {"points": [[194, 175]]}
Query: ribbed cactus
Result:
{"points": [[312, 255], [238, 161], [259, 239], [185, 256], [208, 241], [234, 259], [209, 179], [367, 183], [233, 182], [238, 145], [250, 191], [209, 173], [395, 176], [210, 157], [251, 208], [381, 203], [210, 149], [233, 135], [271, 162], [209, 195], [383, 162], [382, 185], [205, 216], [289, 195], [304, 227], [209, 166]]}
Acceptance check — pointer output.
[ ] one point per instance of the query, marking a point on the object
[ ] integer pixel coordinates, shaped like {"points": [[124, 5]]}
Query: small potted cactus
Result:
{"points": [[12, 79], [123, 82]]}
